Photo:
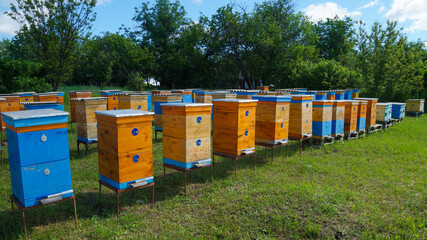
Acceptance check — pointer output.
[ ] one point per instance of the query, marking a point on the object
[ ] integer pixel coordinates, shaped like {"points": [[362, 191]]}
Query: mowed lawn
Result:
{"points": [[375, 187]]}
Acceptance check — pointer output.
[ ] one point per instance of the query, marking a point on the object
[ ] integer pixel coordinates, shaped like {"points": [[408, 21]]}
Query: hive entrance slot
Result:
{"points": [[138, 184]]}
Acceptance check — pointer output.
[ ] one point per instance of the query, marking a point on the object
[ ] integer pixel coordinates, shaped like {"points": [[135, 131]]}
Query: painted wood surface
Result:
{"points": [[136, 102], [415, 105], [186, 150], [371, 111], [350, 117], [300, 116]]}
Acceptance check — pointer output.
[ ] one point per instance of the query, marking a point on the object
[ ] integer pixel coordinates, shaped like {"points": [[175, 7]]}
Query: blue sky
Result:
{"points": [[411, 14]]}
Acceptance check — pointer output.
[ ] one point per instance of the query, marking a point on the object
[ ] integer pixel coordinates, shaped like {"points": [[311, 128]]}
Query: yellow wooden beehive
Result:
{"points": [[160, 99], [223, 95], [73, 95], [300, 116], [371, 111], [272, 119], [9, 104], [234, 126], [134, 101], [125, 150], [25, 97], [203, 97], [263, 88], [350, 117], [186, 134], [85, 117], [415, 105], [113, 99]]}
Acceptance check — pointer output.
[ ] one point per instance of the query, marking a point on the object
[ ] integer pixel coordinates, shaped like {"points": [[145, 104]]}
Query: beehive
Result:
{"points": [[355, 93], [350, 119], [371, 111], [361, 115], [330, 96], [134, 101], [339, 95], [272, 119], [187, 95], [246, 94], [263, 88], [187, 134], [415, 105], [234, 126], [59, 97], [113, 99], [322, 118], [86, 119], [45, 97], [43, 105], [203, 97], [9, 104], [160, 99], [223, 95], [383, 112], [338, 113], [300, 116], [158, 92], [348, 94], [125, 150], [25, 97], [321, 95], [74, 95], [39, 155], [266, 93], [398, 110]]}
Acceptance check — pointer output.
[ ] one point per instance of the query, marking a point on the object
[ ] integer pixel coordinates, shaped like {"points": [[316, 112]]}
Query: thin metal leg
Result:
{"points": [[152, 195], [1, 152], [164, 175], [286, 150], [13, 211], [300, 148], [78, 147], [60, 206], [211, 171], [185, 183], [87, 149], [213, 160], [118, 204], [272, 154], [155, 133], [75, 210], [25, 225], [235, 167]]}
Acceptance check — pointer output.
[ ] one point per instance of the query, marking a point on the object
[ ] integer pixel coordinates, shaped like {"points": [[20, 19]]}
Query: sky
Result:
{"points": [[112, 14]]}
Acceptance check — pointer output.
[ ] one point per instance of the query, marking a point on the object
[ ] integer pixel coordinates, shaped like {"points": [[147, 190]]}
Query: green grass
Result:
{"points": [[368, 188]]}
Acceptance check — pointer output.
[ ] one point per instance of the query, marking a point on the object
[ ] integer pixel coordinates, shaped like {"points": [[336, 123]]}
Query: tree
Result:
{"points": [[53, 29]]}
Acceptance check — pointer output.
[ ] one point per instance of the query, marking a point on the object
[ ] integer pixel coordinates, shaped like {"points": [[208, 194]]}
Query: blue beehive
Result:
{"points": [[338, 111], [322, 118], [321, 95], [398, 110], [39, 155], [339, 95], [348, 94], [43, 105]]}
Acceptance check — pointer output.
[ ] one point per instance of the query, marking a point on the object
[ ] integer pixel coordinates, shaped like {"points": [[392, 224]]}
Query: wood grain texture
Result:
{"points": [[136, 102], [36, 128], [232, 141], [233, 115], [87, 130], [203, 98], [300, 117], [187, 127], [85, 110], [350, 117], [186, 150]]}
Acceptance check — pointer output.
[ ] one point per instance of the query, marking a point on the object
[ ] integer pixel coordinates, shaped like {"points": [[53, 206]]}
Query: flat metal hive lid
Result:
{"points": [[20, 93], [397, 103], [187, 104], [383, 104], [124, 113], [234, 100], [266, 98], [415, 100], [41, 103], [30, 114], [366, 99], [90, 99], [82, 91], [54, 92], [8, 95]]}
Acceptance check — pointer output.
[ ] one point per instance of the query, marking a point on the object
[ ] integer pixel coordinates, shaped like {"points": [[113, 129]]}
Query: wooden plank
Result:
{"points": [[186, 127], [87, 130], [186, 150]]}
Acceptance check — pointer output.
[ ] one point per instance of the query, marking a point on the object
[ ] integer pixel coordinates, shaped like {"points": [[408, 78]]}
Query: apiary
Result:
{"points": [[263, 88], [86, 118], [361, 115], [371, 111], [187, 95], [272, 119], [338, 113], [300, 116], [203, 97], [348, 94], [321, 95], [415, 106], [9, 104], [339, 95], [234, 126], [330, 96], [39, 155], [113, 98], [59, 97], [187, 134], [125, 150], [74, 95], [383, 112], [350, 119], [223, 95], [160, 99], [398, 110], [134, 101], [246, 94], [25, 97], [43, 105], [355, 93], [322, 118]]}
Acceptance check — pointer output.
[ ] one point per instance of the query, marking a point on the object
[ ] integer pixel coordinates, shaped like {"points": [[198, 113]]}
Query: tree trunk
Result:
{"points": [[54, 86]]}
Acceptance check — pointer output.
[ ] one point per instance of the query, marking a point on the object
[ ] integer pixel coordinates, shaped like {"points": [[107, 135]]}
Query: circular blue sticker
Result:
{"points": [[246, 133], [281, 125], [139, 106], [199, 119], [26, 99], [283, 108], [199, 142], [114, 98], [306, 105], [135, 131], [247, 113], [136, 158], [57, 97], [114, 108], [354, 109], [10, 105]]}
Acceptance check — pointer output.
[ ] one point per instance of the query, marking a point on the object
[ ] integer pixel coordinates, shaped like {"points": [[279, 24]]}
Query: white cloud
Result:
{"points": [[197, 1], [102, 2], [381, 9], [7, 25], [410, 10], [369, 4], [326, 10]]}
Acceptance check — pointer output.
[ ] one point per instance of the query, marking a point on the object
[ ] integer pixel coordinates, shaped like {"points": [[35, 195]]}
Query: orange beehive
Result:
{"points": [[234, 126], [361, 115], [125, 150], [46, 97], [263, 88], [371, 110], [77, 94], [223, 95], [272, 119], [300, 116], [25, 97], [350, 117], [9, 104], [59, 97], [113, 99], [85, 117]]}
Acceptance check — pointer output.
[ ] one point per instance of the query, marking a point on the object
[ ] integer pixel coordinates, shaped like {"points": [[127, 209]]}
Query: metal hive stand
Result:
{"points": [[183, 170], [87, 145], [272, 147], [235, 158], [308, 138]]}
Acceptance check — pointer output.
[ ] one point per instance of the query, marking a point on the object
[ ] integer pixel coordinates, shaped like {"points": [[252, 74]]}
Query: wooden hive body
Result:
{"points": [[371, 111], [187, 95], [300, 116], [383, 112], [348, 94], [186, 134], [86, 118], [263, 88], [113, 99], [25, 97], [203, 97], [223, 95], [350, 119], [272, 119], [322, 118], [9, 103], [161, 99], [43, 105], [125, 150], [38, 155], [234, 126], [338, 114], [398, 110], [361, 115], [136, 102], [246, 94], [321, 95], [339, 95], [330, 96], [59, 97], [355, 93], [73, 95], [415, 105]]}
